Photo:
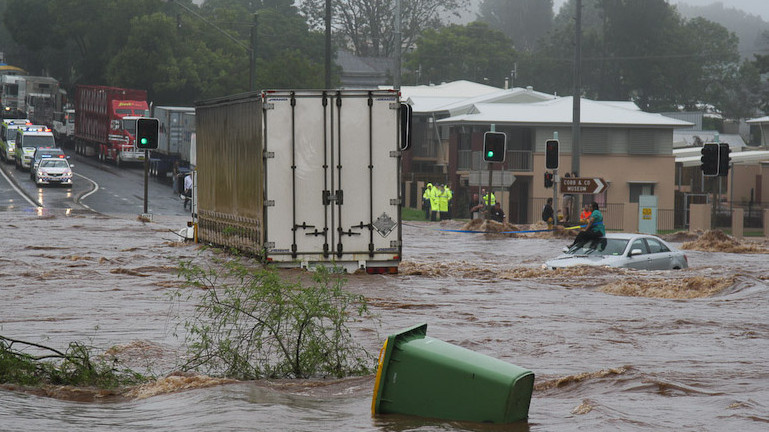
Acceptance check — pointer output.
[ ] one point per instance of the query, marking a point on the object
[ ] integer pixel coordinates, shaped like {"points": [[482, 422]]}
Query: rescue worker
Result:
{"points": [[449, 195], [443, 201], [489, 199], [547, 213], [584, 217], [434, 204], [426, 200]]}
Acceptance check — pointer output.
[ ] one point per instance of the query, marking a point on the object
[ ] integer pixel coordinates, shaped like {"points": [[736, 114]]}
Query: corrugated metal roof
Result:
{"points": [[560, 112], [758, 120], [461, 88]]}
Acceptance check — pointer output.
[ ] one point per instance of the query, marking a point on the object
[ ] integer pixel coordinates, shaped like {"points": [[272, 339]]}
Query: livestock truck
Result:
{"points": [[105, 122], [43, 99], [302, 178], [176, 127]]}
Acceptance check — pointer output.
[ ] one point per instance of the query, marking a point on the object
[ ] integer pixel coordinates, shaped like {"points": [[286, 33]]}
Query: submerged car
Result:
{"points": [[633, 251], [53, 170]]}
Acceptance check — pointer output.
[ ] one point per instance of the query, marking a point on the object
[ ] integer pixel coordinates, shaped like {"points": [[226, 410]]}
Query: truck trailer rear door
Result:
{"points": [[332, 167]]}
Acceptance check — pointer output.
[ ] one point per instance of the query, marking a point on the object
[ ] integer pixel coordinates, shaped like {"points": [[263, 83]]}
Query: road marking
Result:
{"points": [[80, 199], [19, 191]]}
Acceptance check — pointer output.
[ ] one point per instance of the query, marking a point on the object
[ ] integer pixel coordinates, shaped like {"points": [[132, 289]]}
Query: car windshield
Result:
{"points": [[38, 141], [603, 246], [53, 163]]}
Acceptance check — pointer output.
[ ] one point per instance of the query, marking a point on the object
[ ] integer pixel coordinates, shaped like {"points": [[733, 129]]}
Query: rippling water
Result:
{"points": [[602, 361]]}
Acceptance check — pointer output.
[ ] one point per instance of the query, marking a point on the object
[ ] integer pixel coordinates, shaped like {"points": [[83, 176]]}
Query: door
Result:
{"points": [[331, 175]]}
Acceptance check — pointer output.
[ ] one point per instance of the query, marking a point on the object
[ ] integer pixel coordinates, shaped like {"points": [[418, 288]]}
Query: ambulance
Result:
{"points": [[8, 137], [29, 139]]}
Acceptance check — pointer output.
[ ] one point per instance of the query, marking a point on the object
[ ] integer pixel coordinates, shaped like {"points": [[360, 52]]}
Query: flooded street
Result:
{"points": [[606, 356]]}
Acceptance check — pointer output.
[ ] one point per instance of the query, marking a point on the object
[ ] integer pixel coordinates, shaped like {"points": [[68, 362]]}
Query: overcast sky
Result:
{"points": [[753, 7]]}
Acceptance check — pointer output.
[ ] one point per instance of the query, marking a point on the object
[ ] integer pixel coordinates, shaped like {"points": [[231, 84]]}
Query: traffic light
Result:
{"points": [[551, 154], [494, 146], [406, 113], [709, 159], [147, 133], [723, 159], [548, 179]]}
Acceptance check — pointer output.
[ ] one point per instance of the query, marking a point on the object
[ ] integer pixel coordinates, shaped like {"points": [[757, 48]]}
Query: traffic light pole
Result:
{"points": [[556, 182], [146, 176]]}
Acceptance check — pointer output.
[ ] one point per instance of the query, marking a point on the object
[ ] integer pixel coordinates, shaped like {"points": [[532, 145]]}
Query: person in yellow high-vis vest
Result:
{"points": [[443, 201], [434, 204], [450, 195], [489, 197], [426, 199]]}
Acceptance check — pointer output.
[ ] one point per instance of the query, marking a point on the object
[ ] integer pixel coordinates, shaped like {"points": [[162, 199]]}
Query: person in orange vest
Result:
{"points": [[584, 217]]}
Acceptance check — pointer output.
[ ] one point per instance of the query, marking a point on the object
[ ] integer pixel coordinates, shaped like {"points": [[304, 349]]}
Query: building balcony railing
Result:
{"points": [[515, 160]]}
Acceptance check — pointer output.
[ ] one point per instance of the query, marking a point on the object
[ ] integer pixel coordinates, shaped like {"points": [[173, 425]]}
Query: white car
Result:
{"points": [[53, 170], [634, 251]]}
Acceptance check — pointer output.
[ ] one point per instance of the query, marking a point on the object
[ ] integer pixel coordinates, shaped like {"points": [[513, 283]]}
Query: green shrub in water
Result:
{"points": [[249, 323]]}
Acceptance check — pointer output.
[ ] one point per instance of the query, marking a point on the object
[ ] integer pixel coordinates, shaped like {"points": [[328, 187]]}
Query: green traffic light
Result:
{"points": [[144, 140], [490, 154]]}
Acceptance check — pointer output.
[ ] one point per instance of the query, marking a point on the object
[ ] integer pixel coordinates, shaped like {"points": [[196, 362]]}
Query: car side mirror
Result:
{"points": [[635, 252], [71, 165], [565, 249]]}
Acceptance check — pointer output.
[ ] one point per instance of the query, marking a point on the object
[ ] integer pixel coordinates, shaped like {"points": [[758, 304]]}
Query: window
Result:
{"points": [[639, 244], [655, 246], [638, 189]]}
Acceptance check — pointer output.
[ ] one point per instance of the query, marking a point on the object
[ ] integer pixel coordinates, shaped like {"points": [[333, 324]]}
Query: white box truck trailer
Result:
{"points": [[303, 178]]}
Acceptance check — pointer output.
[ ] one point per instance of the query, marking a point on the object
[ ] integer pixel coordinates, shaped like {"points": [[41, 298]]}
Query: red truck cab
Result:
{"points": [[105, 124]]}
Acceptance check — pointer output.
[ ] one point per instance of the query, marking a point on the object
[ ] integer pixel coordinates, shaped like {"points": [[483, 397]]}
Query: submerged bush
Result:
{"points": [[249, 323], [75, 367]]}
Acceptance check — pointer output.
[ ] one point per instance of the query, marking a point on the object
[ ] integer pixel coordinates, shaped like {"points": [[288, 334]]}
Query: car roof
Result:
{"points": [[632, 236]]}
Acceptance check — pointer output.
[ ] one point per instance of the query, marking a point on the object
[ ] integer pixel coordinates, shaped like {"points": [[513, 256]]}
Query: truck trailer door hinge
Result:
{"points": [[269, 203], [395, 153], [328, 197], [395, 105], [268, 106], [395, 201], [395, 243], [269, 155]]}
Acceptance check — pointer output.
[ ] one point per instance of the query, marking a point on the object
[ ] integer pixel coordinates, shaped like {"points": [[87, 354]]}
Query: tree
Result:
{"points": [[523, 21], [367, 26], [642, 51], [167, 48], [474, 52]]}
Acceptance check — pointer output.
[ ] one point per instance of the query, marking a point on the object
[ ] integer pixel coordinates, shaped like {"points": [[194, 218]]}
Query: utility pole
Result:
{"points": [[328, 44], [576, 147], [253, 54], [398, 44]]}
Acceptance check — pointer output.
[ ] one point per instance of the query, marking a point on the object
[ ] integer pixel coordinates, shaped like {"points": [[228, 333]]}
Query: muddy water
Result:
{"points": [[612, 349]]}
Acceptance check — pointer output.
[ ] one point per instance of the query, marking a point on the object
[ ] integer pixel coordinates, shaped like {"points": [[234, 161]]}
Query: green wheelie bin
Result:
{"points": [[423, 376]]}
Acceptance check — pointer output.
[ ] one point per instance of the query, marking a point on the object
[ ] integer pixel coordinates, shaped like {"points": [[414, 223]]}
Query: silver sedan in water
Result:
{"points": [[634, 251]]}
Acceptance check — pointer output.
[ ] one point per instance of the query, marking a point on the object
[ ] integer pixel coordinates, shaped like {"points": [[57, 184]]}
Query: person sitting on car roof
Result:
{"points": [[594, 230]]}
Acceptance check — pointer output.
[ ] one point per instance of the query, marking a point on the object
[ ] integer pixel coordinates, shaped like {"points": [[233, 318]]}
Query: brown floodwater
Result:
{"points": [[611, 349]]}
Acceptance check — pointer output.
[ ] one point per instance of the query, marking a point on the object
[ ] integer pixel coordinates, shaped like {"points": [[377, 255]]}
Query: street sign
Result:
{"points": [[498, 178], [583, 185]]}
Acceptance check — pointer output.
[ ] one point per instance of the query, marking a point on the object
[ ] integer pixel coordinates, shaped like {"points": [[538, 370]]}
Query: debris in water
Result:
{"points": [[717, 241], [175, 383], [571, 379], [584, 408], [686, 288], [491, 228]]}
